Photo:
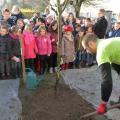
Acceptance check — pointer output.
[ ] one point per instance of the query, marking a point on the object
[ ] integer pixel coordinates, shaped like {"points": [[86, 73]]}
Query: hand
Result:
{"points": [[102, 108], [48, 55], [16, 59], [53, 40]]}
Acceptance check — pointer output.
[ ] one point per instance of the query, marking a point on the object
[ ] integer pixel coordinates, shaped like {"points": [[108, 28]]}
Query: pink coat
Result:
{"points": [[29, 45], [44, 45]]}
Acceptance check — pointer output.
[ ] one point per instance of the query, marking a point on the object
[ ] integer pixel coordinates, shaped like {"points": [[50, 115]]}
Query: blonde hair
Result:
{"points": [[14, 29], [15, 9], [28, 27]]}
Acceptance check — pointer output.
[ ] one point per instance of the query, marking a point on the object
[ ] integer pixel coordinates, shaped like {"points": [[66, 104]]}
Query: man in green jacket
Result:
{"points": [[108, 56]]}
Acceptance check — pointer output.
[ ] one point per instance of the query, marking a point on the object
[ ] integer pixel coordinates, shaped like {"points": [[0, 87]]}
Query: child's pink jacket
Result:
{"points": [[29, 45], [44, 45]]}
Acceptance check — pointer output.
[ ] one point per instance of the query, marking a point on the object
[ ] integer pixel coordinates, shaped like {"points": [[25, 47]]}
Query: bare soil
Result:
{"points": [[44, 104]]}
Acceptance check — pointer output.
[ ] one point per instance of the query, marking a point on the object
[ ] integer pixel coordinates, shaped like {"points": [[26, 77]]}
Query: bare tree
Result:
{"points": [[78, 3], [59, 9]]}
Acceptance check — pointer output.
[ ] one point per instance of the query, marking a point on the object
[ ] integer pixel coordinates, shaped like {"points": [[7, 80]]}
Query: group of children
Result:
{"points": [[39, 50], [37, 42]]}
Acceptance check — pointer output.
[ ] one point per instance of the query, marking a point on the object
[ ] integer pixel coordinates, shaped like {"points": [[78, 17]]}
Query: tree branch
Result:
{"points": [[52, 8], [81, 1], [90, 2], [56, 12], [65, 4]]}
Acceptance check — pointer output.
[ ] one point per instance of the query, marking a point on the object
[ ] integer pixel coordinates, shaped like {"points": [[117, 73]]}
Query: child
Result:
{"points": [[90, 29], [40, 21], [6, 53], [21, 24], [54, 39], [91, 59], [80, 53], [44, 48], [68, 49], [16, 48], [29, 47]]}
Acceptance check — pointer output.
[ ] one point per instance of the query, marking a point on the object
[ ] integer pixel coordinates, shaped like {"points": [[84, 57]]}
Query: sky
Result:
{"points": [[113, 5]]}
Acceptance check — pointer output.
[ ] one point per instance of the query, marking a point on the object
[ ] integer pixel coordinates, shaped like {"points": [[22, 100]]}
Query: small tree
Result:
{"points": [[60, 7]]}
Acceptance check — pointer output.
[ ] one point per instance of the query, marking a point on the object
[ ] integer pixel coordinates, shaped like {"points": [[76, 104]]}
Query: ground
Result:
{"points": [[44, 104]]}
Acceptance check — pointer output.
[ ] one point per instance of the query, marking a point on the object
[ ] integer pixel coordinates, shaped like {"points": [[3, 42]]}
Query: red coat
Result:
{"points": [[29, 45]]}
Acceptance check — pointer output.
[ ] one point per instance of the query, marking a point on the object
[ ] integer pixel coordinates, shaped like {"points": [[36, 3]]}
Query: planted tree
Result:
{"points": [[59, 8]]}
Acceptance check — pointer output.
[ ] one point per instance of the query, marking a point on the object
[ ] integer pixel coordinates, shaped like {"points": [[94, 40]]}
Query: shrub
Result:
{"points": [[27, 12]]}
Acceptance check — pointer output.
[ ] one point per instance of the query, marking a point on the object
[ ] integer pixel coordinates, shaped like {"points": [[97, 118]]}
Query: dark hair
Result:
{"points": [[6, 10], [89, 37], [102, 10], [41, 19], [91, 26], [4, 27], [88, 19], [52, 24], [72, 15], [77, 25]]}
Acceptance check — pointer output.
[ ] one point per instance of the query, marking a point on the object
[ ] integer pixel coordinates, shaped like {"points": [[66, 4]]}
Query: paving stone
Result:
{"points": [[87, 82], [10, 105]]}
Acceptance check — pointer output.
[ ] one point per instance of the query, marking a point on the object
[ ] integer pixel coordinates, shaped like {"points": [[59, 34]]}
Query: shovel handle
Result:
{"points": [[95, 112]]}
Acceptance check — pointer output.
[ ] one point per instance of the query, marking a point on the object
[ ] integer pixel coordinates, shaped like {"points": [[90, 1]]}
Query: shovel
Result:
{"points": [[95, 112]]}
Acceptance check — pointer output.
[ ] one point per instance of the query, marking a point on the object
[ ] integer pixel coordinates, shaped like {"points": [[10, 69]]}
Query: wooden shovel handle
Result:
{"points": [[95, 112]]}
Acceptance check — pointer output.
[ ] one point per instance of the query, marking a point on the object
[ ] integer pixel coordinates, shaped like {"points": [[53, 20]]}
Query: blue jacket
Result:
{"points": [[114, 33]]}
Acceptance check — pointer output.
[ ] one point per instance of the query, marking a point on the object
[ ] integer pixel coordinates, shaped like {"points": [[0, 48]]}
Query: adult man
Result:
{"points": [[108, 55], [101, 24]]}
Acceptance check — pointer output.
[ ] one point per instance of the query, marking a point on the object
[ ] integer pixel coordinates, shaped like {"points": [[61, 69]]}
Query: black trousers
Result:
{"points": [[30, 63], [53, 60], [16, 69], [116, 68], [44, 63], [107, 83]]}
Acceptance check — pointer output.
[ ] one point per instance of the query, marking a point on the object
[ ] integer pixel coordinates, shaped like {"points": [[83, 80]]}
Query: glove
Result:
{"points": [[102, 108]]}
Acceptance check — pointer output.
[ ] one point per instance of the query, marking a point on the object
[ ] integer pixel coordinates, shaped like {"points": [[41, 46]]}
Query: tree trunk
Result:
{"points": [[77, 9], [77, 13], [59, 34]]}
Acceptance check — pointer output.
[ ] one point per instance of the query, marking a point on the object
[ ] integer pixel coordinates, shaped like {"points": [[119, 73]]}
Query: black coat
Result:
{"points": [[5, 47], [15, 17], [16, 48], [100, 27], [8, 22]]}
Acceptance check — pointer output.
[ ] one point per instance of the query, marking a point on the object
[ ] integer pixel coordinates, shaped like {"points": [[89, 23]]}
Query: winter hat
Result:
{"points": [[68, 28]]}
